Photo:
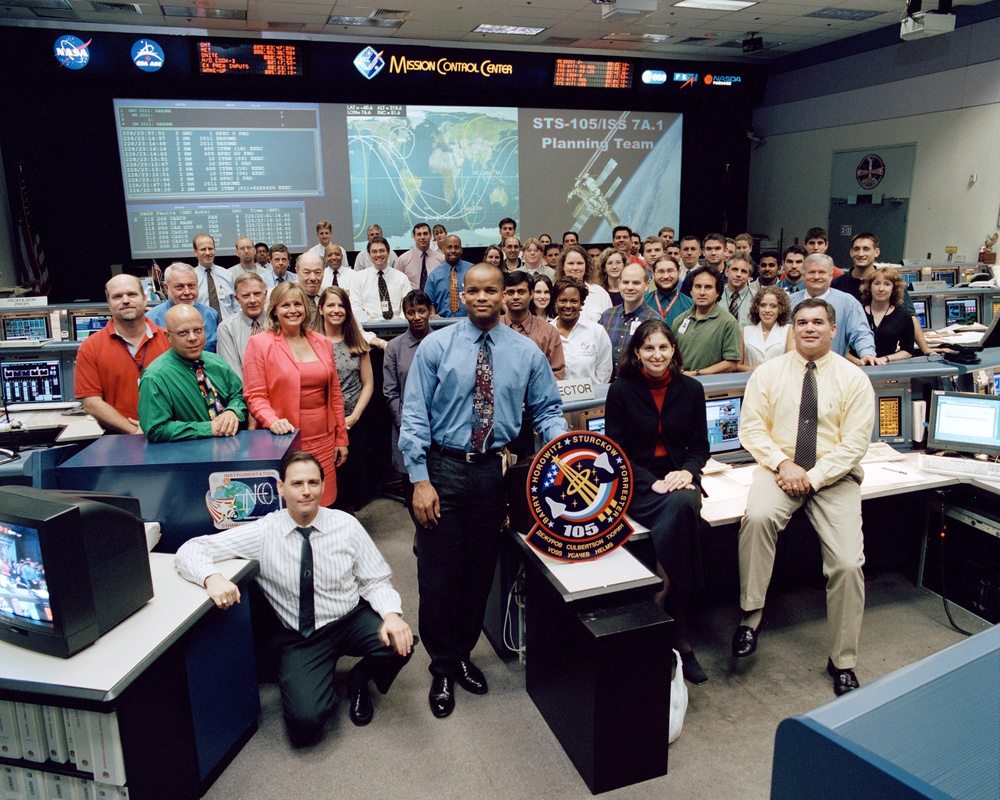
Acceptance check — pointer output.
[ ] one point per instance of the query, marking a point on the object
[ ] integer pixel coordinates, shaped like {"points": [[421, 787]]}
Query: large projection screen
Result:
{"points": [[271, 171]]}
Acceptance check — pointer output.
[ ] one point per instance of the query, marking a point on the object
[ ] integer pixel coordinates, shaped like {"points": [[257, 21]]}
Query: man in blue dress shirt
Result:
{"points": [[438, 287], [182, 289], [463, 402]]}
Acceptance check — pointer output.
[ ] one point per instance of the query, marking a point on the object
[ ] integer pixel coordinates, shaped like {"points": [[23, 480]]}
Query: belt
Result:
{"points": [[468, 458]]}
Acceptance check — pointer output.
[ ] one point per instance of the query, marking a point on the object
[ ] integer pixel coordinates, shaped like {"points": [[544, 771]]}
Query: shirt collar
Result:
{"points": [[149, 332]]}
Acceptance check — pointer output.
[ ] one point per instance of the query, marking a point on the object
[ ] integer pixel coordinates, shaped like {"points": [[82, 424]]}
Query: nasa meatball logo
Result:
{"points": [[579, 488]]}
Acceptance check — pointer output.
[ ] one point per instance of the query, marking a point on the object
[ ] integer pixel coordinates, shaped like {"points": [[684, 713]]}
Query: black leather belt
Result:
{"points": [[468, 458]]}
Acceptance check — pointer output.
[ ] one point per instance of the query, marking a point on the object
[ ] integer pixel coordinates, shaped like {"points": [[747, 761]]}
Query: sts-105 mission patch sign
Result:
{"points": [[579, 487]]}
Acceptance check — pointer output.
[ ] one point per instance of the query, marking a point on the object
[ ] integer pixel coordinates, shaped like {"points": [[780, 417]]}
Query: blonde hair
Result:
{"points": [[278, 296]]}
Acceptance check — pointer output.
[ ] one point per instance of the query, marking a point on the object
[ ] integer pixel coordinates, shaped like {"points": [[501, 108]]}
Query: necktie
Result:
{"points": [[453, 290], [805, 439], [734, 304], [254, 327], [212, 400], [307, 603], [423, 270], [213, 293], [336, 272], [383, 296], [482, 399]]}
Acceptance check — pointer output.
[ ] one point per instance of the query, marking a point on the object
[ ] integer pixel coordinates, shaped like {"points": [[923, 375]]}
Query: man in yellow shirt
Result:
{"points": [[809, 444]]}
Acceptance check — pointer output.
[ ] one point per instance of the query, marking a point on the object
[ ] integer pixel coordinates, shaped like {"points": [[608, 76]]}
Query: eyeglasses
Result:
{"points": [[188, 334]]}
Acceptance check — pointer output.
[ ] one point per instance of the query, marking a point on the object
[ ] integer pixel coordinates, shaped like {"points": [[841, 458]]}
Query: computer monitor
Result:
{"points": [[965, 423], [72, 566], [27, 327], [920, 309], [949, 276], [32, 381], [85, 323], [723, 418], [910, 276], [592, 419], [961, 310]]}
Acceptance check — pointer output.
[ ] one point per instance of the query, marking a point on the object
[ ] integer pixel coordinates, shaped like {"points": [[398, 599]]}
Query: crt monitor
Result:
{"points": [[920, 309], [910, 276], [32, 381], [723, 417], [26, 327], [961, 310], [949, 276], [965, 423], [72, 566], [85, 323]]}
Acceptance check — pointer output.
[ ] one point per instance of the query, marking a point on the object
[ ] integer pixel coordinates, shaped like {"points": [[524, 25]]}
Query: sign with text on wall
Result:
{"points": [[579, 487]]}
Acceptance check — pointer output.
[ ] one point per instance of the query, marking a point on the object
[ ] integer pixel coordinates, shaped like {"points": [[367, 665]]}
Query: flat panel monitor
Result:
{"points": [[961, 310], [920, 309], [32, 381], [949, 276], [26, 327], [72, 566], [723, 418], [965, 423], [593, 420], [84, 324]]}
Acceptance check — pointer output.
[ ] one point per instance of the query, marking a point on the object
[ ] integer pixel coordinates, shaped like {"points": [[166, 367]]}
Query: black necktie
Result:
{"points": [[336, 272], [423, 270], [213, 293], [383, 296], [307, 604], [805, 439]]}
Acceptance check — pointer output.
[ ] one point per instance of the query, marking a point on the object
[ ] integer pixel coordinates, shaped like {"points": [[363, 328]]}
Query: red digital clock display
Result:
{"points": [[593, 74]]}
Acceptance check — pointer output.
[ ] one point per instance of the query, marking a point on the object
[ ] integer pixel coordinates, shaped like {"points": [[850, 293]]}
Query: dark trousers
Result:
{"points": [[457, 558], [673, 520], [307, 666]]}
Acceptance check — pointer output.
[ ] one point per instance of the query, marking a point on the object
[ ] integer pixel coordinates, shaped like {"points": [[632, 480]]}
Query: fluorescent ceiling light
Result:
{"points": [[654, 38], [716, 5], [363, 22], [511, 30], [203, 13], [850, 14]]}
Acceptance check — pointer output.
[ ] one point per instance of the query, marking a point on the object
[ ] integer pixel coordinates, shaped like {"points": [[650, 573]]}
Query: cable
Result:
{"points": [[944, 593], [515, 597]]}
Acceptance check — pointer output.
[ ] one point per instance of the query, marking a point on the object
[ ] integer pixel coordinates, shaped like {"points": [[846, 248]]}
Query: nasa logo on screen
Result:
{"points": [[579, 487], [235, 497], [870, 171], [147, 55], [369, 62], [72, 52]]}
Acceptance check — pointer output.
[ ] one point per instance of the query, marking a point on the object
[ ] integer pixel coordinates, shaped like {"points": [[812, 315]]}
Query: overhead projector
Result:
{"points": [[923, 24]]}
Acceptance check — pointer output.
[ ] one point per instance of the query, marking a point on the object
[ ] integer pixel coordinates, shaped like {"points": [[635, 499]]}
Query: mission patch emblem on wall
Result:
{"points": [[579, 487], [241, 496]]}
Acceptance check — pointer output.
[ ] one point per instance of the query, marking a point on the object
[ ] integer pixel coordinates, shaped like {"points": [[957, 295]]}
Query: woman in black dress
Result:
{"points": [[882, 296], [657, 416]]}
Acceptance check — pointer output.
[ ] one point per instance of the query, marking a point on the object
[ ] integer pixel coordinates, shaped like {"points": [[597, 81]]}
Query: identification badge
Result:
{"points": [[635, 324], [684, 325], [385, 306]]}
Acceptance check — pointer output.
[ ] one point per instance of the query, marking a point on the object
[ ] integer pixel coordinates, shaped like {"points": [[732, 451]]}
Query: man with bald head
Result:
{"points": [[110, 362], [310, 268], [337, 272], [181, 283], [189, 393]]}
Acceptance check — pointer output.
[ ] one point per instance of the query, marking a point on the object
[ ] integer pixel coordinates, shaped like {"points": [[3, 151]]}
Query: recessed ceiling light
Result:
{"points": [[510, 30], [203, 13], [850, 14], [619, 36], [715, 5], [365, 22]]}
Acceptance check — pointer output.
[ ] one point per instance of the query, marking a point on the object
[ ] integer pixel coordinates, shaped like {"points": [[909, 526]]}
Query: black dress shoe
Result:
{"points": [[442, 696], [362, 709], [844, 680], [693, 672], [745, 641], [471, 678]]}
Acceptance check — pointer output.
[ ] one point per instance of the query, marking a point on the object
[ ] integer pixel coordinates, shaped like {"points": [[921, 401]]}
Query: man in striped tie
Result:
{"points": [[329, 588]]}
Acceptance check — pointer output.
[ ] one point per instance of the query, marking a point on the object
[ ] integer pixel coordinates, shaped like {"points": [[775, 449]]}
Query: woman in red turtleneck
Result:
{"points": [[657, 416]]}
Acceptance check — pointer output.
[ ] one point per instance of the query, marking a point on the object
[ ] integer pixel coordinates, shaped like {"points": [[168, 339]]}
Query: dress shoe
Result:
{"points": [[442, 696], [844, 680], [693, 672], [745, 641], [362, 709], [471, 678]]}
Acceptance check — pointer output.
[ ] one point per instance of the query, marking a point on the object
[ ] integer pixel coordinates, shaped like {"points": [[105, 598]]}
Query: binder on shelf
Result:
{"points": [[69, 735], [58, 787], [10, 739], [105, 743], [32, 785], [106, 792], [78, 728], [55, 733], [85, 789], [31, 726], [10, 789]]}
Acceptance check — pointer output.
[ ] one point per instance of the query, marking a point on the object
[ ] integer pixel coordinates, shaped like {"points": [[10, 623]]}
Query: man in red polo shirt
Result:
{"points": [[110, 362]]}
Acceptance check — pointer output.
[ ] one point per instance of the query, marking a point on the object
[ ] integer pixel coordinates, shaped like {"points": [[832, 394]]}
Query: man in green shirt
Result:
{"points": [[708, 336], [188, 393]]}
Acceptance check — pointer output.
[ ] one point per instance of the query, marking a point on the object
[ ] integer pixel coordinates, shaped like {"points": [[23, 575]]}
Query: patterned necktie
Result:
{"points": [[336, 272], [423, 270], [254, 327], [307, 603], [805, 440], [212, 400], [383, 296], [453, 290], [482, 399], [734, 304], [213, 292]]}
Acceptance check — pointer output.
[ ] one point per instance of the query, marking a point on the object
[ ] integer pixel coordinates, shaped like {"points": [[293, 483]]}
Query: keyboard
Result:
{"points": [[961, 467], [880, 451]]}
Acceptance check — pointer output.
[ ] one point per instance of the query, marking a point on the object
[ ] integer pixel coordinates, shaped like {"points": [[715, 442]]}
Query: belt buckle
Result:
{"points": [[470, 458]]}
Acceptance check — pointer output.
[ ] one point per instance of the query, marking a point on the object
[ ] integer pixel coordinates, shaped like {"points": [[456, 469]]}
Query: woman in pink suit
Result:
{"points": [[290, 381]]}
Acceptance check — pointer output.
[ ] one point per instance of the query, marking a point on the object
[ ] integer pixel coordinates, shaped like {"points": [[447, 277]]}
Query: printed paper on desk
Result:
{"points": [[719, 489], [888, 474]]}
